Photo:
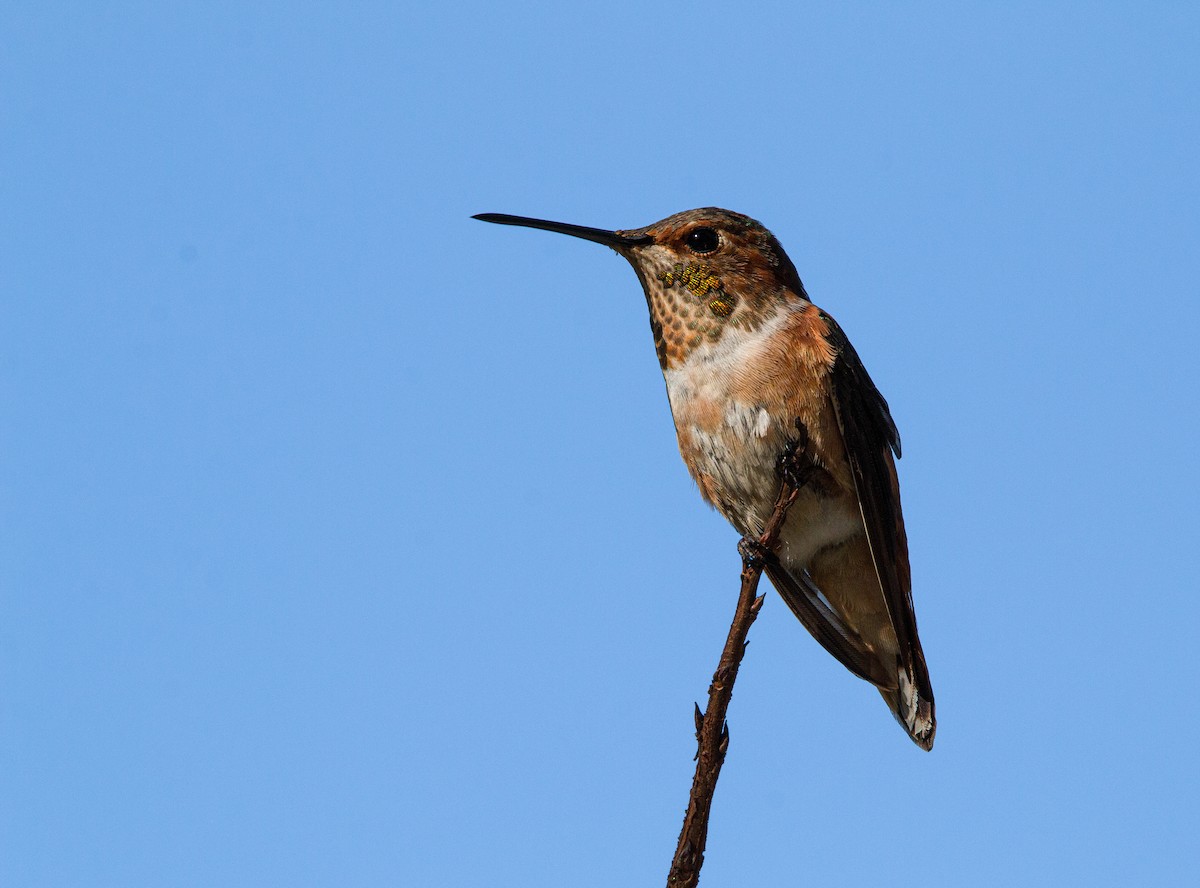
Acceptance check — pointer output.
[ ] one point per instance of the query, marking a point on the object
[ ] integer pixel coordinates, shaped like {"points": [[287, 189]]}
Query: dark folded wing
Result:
{"points": [[870, 437], [823, 622]]}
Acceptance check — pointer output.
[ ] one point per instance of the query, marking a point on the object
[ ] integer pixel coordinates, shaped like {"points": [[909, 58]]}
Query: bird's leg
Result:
{"points": [[798, 468], [795, 465], [753, 552]]}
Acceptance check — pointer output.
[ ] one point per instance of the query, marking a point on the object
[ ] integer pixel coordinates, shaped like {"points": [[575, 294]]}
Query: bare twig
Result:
{"points": [[712, 731]]}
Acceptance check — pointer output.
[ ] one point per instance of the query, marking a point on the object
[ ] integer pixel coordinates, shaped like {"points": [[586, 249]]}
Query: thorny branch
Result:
{"points": [[712, 731]]}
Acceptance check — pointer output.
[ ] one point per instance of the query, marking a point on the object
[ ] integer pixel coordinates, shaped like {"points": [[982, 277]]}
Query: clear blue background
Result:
{"points": [[345, 540]]}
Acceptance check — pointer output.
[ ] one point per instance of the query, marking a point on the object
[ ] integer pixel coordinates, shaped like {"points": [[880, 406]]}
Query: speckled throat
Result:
{"points": [[690, 305], [693, 298]]}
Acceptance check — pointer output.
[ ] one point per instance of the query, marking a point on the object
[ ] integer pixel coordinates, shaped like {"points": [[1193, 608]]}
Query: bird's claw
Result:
{"points": [[754, 553], [795, 465]]}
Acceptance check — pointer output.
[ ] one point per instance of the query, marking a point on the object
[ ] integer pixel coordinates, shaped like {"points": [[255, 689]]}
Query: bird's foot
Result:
{"points": [[795, 465], [754, 553]]}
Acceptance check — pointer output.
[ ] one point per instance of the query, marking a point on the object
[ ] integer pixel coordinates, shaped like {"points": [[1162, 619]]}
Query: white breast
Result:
{"points": [[732, 446]]}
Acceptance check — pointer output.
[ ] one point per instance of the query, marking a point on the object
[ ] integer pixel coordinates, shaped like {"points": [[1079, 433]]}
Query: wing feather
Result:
{"points": [[824, 624], [870, 439]]}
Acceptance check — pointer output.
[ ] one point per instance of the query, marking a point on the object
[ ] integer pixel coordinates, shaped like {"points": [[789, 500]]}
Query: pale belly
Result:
{"points": [[732, 433], [736, 469]]}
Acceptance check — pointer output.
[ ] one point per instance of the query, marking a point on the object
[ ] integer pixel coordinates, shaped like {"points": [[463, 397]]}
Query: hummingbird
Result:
{"points": [[752, 365]]}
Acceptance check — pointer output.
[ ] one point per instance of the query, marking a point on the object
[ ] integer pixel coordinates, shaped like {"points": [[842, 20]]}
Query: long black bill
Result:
{"points": [[599, 235]]}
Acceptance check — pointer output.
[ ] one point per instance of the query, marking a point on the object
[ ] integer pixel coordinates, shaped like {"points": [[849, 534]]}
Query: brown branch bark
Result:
{"points": [[712, 731]]}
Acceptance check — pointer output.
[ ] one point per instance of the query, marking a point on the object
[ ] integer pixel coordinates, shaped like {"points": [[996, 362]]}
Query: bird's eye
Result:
{"points": [[702, 240]]}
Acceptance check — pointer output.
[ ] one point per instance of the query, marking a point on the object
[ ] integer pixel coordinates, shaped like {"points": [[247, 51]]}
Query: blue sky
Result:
{"points": [[345, 539]]}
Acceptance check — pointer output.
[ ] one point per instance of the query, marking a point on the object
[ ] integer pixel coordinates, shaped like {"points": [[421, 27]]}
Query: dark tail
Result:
{"points": [[912, 702]]}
